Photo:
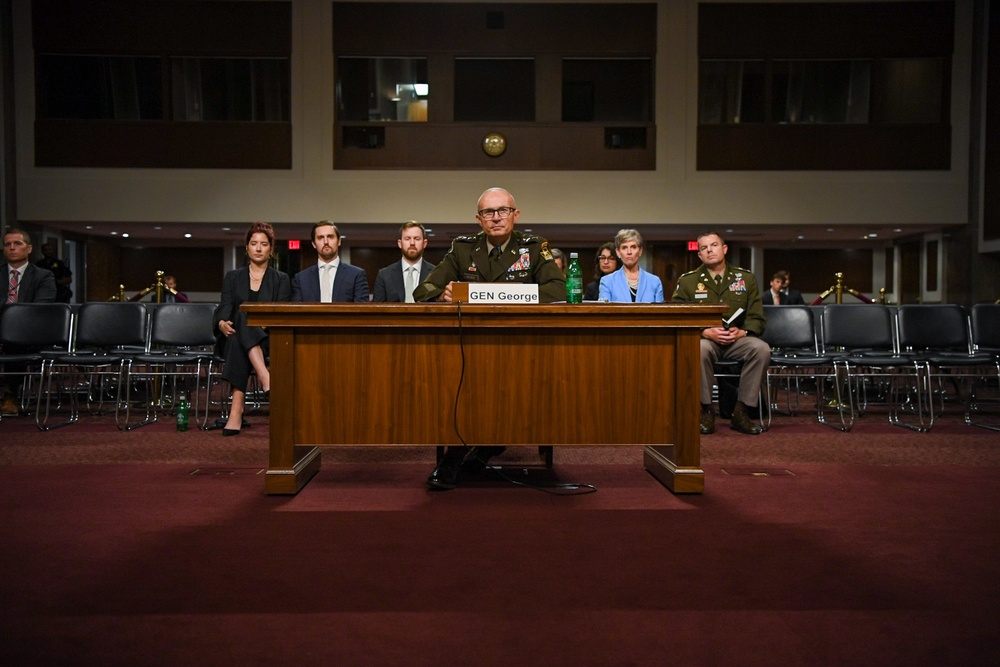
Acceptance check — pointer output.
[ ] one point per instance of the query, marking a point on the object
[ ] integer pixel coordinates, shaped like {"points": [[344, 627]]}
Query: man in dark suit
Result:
{"points": [[32, 284], [396, 282], [23, 282], [775, 295], [59, 269], [330, 279], [792, 297]]}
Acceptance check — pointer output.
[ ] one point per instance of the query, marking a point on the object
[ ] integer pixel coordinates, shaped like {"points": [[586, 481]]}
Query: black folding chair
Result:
{"points": [[108, 335], [180, 350], [31, 335]]}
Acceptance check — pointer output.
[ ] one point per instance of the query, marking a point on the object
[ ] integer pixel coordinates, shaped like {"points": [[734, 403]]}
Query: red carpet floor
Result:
{"points": [[809, 547]]}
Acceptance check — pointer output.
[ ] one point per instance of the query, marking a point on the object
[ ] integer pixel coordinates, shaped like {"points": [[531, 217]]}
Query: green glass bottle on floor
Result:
{"points": [[182, 413]]}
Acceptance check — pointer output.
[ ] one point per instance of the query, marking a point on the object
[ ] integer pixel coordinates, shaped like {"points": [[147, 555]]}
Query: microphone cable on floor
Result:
{"points": [[553, 488]]}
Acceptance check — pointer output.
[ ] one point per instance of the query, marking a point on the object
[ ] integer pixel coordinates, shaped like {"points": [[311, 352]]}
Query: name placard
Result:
{"points": [[508, 293]]}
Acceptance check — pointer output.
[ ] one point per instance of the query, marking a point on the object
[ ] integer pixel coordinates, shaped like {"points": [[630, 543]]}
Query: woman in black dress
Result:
{"points": [[244, 347]]}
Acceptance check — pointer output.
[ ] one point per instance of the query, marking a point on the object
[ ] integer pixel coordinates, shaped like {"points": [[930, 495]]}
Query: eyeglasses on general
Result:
{"points": [[503, 212]]}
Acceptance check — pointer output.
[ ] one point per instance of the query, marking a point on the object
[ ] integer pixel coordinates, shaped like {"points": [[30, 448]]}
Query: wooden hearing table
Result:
{"points": [[388, 375]]}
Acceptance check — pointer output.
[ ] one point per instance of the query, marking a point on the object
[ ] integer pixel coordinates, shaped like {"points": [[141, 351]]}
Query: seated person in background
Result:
{"points": [[560, 259], [605, 262], [242, 346], [792, 297], [23, 282], [396, 282], [59, 269], [716, 282], [630, 284], [171, 297], [497, 254], [330, 279], [774, 296]]}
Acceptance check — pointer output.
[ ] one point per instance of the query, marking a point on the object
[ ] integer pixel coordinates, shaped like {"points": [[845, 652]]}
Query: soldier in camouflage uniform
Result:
{"points": [[498, 254], [716, 282]]}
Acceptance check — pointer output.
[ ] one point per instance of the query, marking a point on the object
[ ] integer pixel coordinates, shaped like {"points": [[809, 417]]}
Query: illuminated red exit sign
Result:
{"points": [[294, 244], [692, 245]]}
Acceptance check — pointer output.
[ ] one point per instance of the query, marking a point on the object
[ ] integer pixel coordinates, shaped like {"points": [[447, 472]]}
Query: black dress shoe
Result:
{"points": [[228, 432], [445, 476], [478, 459]]}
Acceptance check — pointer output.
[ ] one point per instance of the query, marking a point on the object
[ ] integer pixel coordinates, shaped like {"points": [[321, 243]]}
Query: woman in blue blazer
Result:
{"points": [[630, 284]]}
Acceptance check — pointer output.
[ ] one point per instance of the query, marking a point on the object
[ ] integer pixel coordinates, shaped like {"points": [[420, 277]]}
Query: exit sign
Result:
{"points": [[294, 244], [693, 245]]}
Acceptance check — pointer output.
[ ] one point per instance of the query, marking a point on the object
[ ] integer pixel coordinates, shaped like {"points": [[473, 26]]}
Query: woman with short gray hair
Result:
{"points": [[630, 284]]}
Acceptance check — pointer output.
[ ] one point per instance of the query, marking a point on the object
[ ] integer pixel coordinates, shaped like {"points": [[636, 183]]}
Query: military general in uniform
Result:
{"points": [[717, 282], [498, 254]]}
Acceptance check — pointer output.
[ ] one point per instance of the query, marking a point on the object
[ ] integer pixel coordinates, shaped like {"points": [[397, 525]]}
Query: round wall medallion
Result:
{"points": [[494, 144]]}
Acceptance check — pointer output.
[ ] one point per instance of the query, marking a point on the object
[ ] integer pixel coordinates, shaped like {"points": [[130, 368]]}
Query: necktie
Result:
{"points": [[718, 280], [495, 260], [12, 290], [326, 289], [411, 273]]}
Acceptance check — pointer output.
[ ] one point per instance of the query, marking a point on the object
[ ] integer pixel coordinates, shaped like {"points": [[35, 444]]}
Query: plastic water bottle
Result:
{"points": [[182, 413], [574, 280]]}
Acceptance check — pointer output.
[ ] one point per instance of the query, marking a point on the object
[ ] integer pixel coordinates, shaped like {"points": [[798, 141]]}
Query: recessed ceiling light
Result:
{"points": [[89, 227], [897, 230], [187, 236], [157, 228], [829, 229], [800, 237], [125, 235], [114, 233], [873, 235]]}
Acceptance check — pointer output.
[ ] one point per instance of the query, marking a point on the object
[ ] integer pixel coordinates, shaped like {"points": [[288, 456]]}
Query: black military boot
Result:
{"points": [[741, 421], [707, 419]]}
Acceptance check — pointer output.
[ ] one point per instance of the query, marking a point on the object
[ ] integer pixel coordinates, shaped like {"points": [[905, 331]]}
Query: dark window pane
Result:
{"points": [[231, 89], [820, 91], [495, 89], [382, 89], [607, 90], [99, 87], [731, 91]]}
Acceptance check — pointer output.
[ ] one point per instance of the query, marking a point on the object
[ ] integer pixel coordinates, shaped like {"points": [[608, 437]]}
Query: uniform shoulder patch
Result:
{"points": [[546, 253]]}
